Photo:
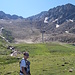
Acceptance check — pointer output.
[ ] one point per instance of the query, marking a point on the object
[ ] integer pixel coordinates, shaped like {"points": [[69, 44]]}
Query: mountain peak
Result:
{"points": [[8, 16], [69, 4]]}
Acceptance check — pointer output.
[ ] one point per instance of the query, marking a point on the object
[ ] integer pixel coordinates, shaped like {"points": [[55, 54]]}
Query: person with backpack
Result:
{"points": [[25, 65]]}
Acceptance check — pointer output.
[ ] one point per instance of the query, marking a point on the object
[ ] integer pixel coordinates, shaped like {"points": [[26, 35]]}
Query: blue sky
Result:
{"points": [[28, 8]]}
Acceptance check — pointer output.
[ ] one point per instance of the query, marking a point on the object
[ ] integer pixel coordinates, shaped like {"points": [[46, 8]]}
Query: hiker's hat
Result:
{"points": [[26, 53]]}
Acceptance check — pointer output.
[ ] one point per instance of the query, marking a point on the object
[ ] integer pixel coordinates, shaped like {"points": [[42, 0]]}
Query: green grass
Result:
{"points": [[7, 60], [33, 49], [3, 47], [46, 59]]}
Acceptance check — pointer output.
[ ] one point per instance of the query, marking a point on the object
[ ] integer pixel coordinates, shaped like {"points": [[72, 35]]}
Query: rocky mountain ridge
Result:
{"points": [[8, 16], [57, 23]]}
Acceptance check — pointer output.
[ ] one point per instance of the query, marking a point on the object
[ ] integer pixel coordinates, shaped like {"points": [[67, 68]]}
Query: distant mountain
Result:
{"points": [[58, 24], [61, 12], [8, 16], [59, 18], [37, 17]]}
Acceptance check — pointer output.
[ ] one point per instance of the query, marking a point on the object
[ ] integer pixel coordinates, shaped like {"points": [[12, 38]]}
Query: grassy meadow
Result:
{"points": [[46, 59]]}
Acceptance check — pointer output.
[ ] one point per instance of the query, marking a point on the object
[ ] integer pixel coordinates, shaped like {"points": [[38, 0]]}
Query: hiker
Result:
{"points": [[25, 65]]}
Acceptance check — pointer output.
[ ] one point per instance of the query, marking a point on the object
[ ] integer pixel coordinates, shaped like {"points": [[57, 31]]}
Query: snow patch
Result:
{"points": [[66, 31], [57, 26], [55, 20], [45, 20], [70, 20]]}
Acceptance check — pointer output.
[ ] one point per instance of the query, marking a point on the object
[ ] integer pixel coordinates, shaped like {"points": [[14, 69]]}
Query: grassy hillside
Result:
{"points": [[46, 59], [3, 47]]}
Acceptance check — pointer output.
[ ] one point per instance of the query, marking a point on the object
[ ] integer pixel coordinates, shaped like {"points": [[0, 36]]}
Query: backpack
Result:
{"points": [[27, 68]]}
